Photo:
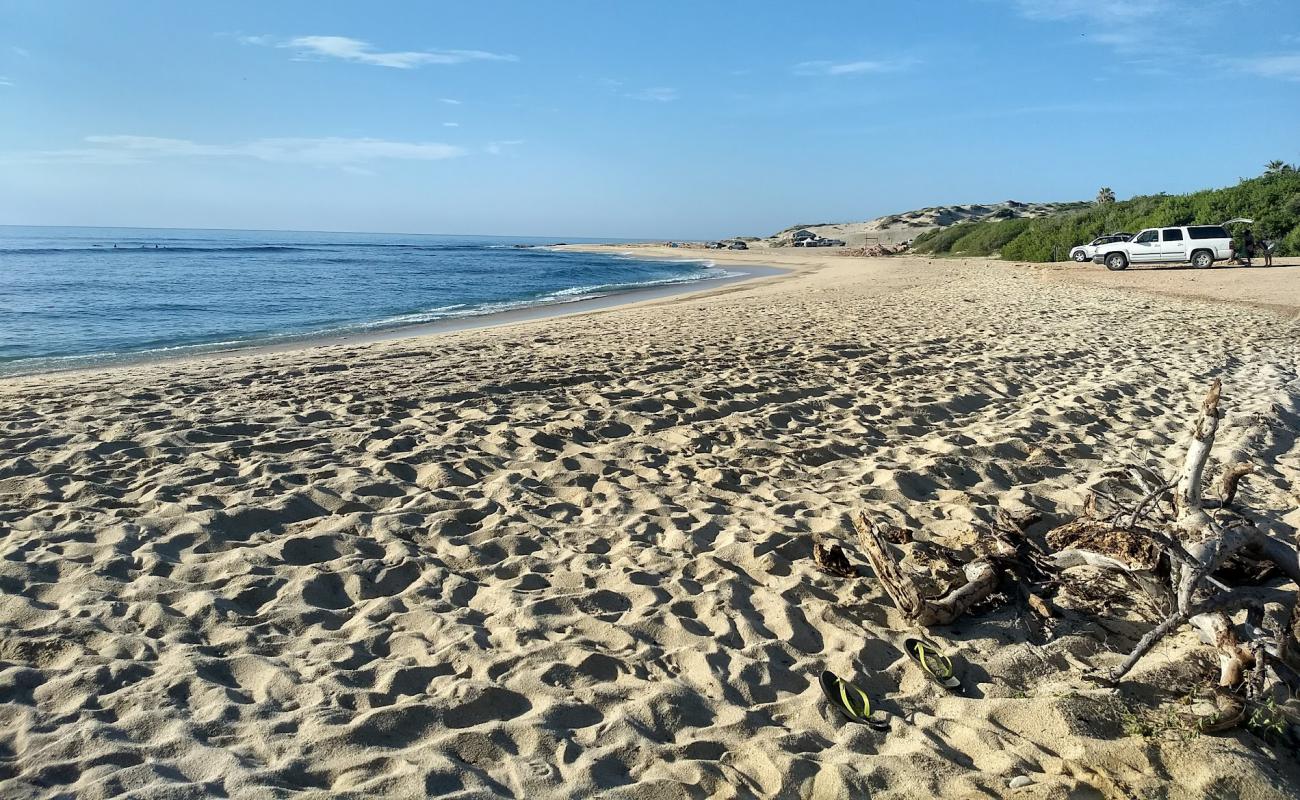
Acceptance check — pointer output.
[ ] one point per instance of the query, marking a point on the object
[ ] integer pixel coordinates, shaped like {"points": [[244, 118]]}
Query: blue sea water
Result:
{"points": [[80, 296]]}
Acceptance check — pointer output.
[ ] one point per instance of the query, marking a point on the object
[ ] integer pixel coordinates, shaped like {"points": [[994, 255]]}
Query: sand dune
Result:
{"points": [[906, 226], [570, 557]]}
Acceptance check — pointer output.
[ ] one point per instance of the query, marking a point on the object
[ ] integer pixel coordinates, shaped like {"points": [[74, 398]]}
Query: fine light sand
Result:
{"points": [[570, 557]]}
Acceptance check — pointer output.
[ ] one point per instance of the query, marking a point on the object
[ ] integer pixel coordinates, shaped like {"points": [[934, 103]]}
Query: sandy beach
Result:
{"points": [[570, 557]]}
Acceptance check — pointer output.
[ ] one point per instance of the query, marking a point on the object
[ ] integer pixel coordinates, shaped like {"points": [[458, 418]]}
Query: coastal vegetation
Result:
{"points": [[1272, 200]]}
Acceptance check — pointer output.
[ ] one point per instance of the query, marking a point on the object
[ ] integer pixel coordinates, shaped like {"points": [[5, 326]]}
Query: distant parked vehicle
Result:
{"points": [[818, 241], [715, 245], [1198, 245], [1085, 252], [737, 246]]}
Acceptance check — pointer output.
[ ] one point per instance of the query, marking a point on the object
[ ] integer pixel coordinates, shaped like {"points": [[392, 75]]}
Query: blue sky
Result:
{"points": [[656, 119]]}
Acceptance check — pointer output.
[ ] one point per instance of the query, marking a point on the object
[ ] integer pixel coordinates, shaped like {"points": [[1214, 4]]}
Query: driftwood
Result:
{"points": [[832, 560], [981, 579], [1009, 558], [1176, 558], [1177, 545]]}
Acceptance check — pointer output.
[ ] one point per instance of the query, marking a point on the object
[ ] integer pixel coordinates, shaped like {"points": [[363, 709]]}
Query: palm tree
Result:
{"points": [[1274, 167], [1105, 196]]}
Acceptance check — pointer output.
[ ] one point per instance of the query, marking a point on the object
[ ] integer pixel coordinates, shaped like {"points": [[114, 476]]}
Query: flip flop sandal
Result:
{"points": [[935, 664], [850, 701]]}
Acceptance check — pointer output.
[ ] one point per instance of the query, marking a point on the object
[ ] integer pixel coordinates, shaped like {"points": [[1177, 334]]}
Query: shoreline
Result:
{"points": [[1220, 285], [741, 273]]}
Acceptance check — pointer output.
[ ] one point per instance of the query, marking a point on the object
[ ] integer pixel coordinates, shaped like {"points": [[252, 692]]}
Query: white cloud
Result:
{"points": [[1166, 29], [5, 81], [449, 101], [323, 152], [357, 51], [1157, 37], [1285, 67], [657, 94], [451, 124], [853, 67], [1101, 12], [497, 148], [22, 52]]}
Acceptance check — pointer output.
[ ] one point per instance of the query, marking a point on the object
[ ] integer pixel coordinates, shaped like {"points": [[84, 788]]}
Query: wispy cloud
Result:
{"points": [[1158, 37], [448, 101], [357, 51], [853, 67], [1153, 37], [657, 94], [1285, 66], [497, 148], [1101, 12], [322, 152], [5, 81], [451, 124], [21, 52]]}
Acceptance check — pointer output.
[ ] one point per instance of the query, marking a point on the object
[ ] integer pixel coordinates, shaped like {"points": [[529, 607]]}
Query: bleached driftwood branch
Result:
{"points": [[1198, 546], [981, 580], [1168, 542]]}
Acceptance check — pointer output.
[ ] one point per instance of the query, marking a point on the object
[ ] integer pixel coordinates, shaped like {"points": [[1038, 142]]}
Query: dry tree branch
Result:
{"points": [[1231, 477], [981, 580]]}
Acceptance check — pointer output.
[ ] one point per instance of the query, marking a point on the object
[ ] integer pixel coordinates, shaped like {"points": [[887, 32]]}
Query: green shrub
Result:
{"points": [[1272, 200]]}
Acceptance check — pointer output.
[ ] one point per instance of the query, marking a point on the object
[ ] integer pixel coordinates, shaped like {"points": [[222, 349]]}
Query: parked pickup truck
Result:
{"points": [[1198, 245]]}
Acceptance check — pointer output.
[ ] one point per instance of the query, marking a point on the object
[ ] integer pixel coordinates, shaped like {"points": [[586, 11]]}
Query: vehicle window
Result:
{"points": [[1145, 237], [1208, 232], [1173, 235]]}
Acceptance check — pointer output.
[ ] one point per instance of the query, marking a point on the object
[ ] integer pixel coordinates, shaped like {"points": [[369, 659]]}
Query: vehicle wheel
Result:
{"points": [[1080, 256], [1202, 259], [1116, 262]]}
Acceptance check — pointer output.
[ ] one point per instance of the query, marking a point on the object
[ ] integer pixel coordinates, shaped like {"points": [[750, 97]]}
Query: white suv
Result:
{"points": [[1085, 252], [1199, 245]]}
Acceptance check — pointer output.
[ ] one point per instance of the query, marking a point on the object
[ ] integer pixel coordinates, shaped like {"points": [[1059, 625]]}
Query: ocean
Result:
{"points": [[72, 297]]}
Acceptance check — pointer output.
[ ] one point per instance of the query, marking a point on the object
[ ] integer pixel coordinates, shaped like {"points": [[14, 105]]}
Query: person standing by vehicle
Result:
{"points": [[1247, 247]]}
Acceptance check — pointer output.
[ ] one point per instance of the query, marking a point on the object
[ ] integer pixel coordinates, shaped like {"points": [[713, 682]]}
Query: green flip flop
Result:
{"points": [[850, 701], [935, 664]]}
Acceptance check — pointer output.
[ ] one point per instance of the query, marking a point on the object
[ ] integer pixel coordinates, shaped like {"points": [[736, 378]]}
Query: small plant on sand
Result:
{"points": [[1267, 720], [1166, 722]]}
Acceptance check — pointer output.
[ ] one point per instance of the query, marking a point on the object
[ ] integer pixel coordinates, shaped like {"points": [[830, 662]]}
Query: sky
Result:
{"points": [[660, 118]]}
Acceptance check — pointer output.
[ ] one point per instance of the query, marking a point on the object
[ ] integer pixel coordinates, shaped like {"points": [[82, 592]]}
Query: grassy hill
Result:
{"points": [[907, 225], [1272, 200]]}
